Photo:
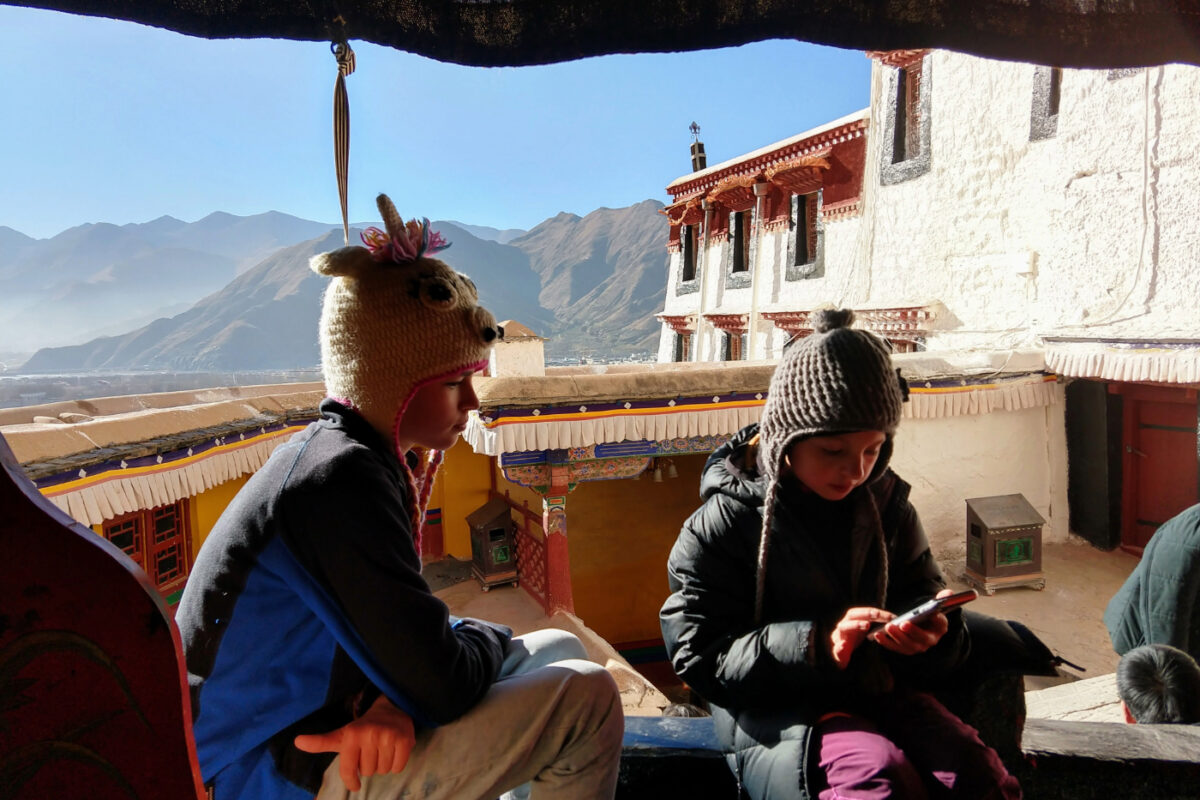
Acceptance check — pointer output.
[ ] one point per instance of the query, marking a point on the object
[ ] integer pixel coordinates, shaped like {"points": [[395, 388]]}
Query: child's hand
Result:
{"points": [[851, 630], [910, 638], [376, 743]]}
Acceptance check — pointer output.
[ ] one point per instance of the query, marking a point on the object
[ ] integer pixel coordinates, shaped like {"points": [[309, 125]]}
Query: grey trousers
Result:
{"points": [[552, 720]]}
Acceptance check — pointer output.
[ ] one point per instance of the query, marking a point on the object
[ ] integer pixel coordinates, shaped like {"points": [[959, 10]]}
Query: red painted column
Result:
{"points": [[554, 523]]}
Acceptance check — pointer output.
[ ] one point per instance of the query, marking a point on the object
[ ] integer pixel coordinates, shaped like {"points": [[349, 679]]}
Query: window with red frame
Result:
{"points": [[158, 540]]}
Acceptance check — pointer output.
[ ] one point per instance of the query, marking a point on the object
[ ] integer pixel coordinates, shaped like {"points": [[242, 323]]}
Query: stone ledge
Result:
{"points": [[1105, 760]]}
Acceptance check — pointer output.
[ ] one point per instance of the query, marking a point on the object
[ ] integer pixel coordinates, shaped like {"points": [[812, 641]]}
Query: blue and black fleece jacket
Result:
{"points": [[306, 602]]}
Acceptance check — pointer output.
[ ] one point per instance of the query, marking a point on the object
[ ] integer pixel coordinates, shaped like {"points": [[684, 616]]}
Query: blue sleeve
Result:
{"points": [[352, 534]]}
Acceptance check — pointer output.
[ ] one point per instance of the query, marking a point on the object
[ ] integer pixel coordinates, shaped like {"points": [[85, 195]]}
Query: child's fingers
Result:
{"points": [[348, 767], [400, 755], [866, 614], [368, 759], [909, 638]]}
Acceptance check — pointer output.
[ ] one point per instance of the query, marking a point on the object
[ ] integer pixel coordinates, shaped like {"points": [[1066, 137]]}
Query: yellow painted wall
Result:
{"points": [[619, 534], [207, 507], [461, 486]]}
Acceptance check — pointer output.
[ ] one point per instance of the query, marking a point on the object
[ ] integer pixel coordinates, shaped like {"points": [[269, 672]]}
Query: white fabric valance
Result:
{"points": [[550, 435], [92, 499], [1162, 363], [575, 428]]}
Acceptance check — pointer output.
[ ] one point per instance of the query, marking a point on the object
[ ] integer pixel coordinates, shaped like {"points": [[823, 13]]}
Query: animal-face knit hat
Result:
{"points": [[395, 319], [836, 380]]}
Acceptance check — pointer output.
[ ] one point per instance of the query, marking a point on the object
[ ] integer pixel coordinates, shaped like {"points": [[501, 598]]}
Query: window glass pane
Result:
{"points": [[166, 564], [165, 525], [127, 535]]}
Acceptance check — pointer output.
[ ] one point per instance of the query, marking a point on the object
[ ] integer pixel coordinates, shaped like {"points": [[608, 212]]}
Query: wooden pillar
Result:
{"points": [[554, 523]]}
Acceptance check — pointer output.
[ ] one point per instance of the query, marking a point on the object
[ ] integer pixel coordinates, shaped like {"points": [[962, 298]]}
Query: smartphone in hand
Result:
{"points": [[928, 608]]}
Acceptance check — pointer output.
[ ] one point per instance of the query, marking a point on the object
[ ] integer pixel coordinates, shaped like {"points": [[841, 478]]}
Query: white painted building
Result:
{"points": [[987, 207]]}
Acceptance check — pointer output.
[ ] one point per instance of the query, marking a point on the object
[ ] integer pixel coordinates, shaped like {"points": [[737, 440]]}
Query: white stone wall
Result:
{"points": [[948, 460], [1089, 232], [518, 357]]}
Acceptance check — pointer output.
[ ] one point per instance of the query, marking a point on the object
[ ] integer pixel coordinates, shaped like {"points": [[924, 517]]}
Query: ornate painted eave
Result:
{"points": [[732, 323], [685, 323], [897, 58], [1175, 361], [799, 175], [813, 143], [686, 212], [900, 322]]}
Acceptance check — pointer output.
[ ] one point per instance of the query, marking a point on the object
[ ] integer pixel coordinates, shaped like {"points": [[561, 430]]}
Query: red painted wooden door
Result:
{"points": [[1160, 460]]}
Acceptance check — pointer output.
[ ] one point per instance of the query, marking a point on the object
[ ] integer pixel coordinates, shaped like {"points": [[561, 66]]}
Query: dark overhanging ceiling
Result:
{"points": [[1069, 33]]}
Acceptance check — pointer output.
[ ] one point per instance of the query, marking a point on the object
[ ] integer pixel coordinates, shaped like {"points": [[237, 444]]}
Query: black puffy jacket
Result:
{"points": [[771, 681]]}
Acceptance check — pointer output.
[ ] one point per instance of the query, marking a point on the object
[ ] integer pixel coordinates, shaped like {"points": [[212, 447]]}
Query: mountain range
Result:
{"points": [[236, 293]]}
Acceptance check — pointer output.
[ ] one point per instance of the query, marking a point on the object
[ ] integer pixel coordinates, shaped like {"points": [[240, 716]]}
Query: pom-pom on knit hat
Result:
{"points": [[836, 380], [393, 320]]}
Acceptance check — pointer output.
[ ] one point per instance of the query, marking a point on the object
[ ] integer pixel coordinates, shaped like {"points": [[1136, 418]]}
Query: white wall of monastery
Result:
{"points": [[950, 459], [1090, 232], [843, 260], [525, 356]]}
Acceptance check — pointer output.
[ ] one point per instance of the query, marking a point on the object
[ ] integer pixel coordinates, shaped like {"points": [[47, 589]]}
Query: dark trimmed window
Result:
{"points": [[906, 138], [805, 227], [1047, 97], [688, 241], [741, 241], [733, 346], [683, 347], [906, 141], [158, 540], [1055, 94]]}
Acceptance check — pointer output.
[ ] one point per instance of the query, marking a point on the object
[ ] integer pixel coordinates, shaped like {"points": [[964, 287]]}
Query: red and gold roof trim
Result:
{"points": [[819, 145], [897, 58], [730, 323], [680, 324]]}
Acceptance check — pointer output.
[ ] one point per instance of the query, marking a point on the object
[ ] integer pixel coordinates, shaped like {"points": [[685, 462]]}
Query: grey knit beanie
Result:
{"points": [[836, 380]]}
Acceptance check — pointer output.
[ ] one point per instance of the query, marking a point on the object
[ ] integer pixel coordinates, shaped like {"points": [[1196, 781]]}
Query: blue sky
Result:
{"points": [[108, 121]]}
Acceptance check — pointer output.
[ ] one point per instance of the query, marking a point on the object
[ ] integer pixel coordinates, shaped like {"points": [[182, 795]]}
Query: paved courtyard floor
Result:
{"points": [[1067, 616]]}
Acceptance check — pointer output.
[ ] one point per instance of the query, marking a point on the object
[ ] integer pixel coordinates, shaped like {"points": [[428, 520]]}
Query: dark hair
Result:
{"points": [[1159, 683]]}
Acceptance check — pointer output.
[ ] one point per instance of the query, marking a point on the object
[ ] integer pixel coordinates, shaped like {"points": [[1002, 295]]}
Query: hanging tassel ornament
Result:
{"points": [[341, 128]]}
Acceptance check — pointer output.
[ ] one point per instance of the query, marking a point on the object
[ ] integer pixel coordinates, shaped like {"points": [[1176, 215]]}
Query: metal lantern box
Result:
{"points": [[1004, 543], [493, 550]]}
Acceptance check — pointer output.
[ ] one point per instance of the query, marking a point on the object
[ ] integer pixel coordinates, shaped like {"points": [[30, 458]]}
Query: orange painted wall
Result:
{"points": [[619, 534]]}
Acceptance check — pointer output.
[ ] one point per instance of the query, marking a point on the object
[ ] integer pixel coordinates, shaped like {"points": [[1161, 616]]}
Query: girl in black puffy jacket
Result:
{"points": [[805, 545]]}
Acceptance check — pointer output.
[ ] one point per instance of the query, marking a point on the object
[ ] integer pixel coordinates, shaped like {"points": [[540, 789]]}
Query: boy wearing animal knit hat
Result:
{"points": [[320, 663], [806, 539]]}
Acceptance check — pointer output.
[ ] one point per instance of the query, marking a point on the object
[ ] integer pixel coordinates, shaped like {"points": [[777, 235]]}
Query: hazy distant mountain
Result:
{"points": [[605, 277], [11, 244], [491, 234], [97, 277], [267, 317], [591, 284]]}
